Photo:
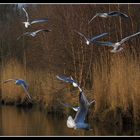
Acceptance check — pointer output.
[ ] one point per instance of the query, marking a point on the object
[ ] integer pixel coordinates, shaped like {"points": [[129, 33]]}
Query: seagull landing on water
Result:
{"points": [[79, 121], [22, 83], [110, 14], [93, 39], [28, 23], [116, 46], [33, 34]]}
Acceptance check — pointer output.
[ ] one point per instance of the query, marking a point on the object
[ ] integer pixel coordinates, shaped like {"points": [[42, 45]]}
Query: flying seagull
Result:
{"points": [[69, 80], [110, 14], [22, 83], [79, 121], [70, 106], [93, 39], [28, 23], [33, 34], [116, 46]]}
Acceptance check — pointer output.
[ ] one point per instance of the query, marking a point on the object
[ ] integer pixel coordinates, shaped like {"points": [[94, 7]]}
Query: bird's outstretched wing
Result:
{"points": [[127, 38], [98, 36], [68, 105], [9, 80], [93, 18], [27, 33], [25, 84], [69, 80], [81, 35], [82, 112], [117, 13], [45, 30], [66, 79], [27, 16], [62, 78], [102, 43], [26, 91], [39, 21]]}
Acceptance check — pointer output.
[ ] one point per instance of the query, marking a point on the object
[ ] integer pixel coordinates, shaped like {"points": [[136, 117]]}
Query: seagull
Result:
{"points": [[69, 80], [116, 46], [72, 107], [33, 34], [93, 39], [28, 23], [79, 121], [110, 14], [22, 83]]}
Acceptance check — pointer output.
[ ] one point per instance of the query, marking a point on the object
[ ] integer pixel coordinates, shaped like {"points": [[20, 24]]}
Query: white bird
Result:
{"points": [[110, 14], [22, 83], [33, 34], [80, 118], [69, 80], [28, 23], [79, 122], [72, 107], [116, 46], [93, 39]]}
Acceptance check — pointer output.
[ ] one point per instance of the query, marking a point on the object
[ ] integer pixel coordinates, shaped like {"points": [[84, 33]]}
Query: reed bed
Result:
{"points": [[111, 79]]}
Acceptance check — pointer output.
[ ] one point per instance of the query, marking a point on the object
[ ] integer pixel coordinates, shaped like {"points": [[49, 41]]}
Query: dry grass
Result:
{"points": [[118, 89], [12, 93], [111, 79]]}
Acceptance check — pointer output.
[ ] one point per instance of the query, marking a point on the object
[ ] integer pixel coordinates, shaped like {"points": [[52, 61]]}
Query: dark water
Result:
{"points": [[20, 122]]}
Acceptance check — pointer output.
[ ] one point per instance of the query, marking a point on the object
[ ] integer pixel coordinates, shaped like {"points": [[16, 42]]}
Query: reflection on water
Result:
{"points": [[21, 122]]}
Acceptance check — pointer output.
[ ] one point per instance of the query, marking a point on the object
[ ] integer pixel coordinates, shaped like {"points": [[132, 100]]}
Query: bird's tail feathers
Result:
{"points": [[116, 51], [70, 122]]}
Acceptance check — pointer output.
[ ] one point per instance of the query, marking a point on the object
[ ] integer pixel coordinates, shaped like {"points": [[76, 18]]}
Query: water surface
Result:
{"points": [[32, 122]]}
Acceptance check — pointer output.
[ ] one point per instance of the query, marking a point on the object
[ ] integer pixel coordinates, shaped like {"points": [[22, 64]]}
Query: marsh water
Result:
{"points": [[32, 122]]}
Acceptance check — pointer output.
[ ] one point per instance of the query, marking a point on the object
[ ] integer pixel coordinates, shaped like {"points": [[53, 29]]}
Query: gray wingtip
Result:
{"points": [[57, 76]]}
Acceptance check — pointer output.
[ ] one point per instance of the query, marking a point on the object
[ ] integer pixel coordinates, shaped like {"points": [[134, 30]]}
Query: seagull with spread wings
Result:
{"points": [[70, 106], [109, 14], [33, 34], [28, 23], [93, 39], [22, 83], [69, 80], [79, 121], [116, 46]]}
